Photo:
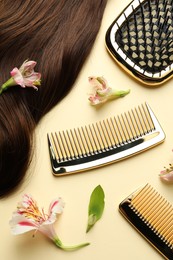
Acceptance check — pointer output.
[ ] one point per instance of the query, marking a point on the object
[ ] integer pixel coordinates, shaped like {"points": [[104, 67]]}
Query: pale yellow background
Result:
{"points": [[112, 237]]}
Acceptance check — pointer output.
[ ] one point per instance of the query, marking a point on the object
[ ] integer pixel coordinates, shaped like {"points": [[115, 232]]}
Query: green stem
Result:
{"points": [[120, 93], [69, 248], [9, 83]]}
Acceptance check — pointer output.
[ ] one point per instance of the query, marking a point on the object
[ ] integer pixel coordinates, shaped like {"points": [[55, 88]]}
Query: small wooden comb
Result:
{"points": [[152, 216], [104, 142]]}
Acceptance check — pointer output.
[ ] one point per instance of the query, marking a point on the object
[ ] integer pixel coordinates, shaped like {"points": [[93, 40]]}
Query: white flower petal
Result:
{"points": [[18, 229], [19, 224], [56, 206], [94, 82]]}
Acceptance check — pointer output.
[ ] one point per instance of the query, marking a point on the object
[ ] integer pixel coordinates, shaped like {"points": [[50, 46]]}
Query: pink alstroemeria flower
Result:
{"points": [[25, 76], [102, 92], [29, 217], [167, 174]]}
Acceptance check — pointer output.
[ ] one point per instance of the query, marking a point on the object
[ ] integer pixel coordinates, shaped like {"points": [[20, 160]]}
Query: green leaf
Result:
{"points": [[96, 206]]}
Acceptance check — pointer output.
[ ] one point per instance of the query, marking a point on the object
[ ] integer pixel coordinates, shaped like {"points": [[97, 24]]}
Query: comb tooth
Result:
{"points": [[153, 204], [159, 220], [110, 140], [89, 139], [77, 142], [138, 121], [71, 144], [64, 145], [148, 116], [99, 135], [111, 133], [167, 231], [164, 220], [107, 134], [95, 142], [74, 144], [141, 195], [143, 120], [149, 204], [133, 121], [53, 143], [156, 212], [59, 147], [115, 132], [170, 238], [144, 201], [125, 128], [96, 138], [166, 224], [80, 141], [118, 131], [104, 135], [68, 144], [122, 129], [83, 143], [132, 133]]}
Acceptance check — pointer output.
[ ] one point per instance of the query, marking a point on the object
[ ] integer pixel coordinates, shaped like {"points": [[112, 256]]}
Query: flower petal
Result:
{"points": [[49, 231], [96, 99], [27, 66], [20, 224], [94, 82], [56, 207], [166, 176], [17, 76], [21, 229], [29, 81], [103, 82]]}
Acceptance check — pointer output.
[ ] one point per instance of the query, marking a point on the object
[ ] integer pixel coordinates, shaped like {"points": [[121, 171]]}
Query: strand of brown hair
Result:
{"points": [[59, 36]]}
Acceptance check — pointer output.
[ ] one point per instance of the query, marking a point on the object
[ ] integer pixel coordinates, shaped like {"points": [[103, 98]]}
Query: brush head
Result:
{"points": [[141, 40]]}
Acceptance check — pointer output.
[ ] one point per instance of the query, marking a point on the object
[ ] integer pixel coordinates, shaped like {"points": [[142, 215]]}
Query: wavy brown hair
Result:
{"points": [[59, 35]]}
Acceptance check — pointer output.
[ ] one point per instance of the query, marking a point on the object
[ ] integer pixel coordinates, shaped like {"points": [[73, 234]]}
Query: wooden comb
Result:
{"points": [[141, 40], [152, 216], [104, 142]]}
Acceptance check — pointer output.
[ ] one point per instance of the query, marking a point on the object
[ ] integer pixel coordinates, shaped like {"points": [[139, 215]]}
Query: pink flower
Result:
{"points": [[167, 174], [29, 217], [25, 76], [102, 92]]}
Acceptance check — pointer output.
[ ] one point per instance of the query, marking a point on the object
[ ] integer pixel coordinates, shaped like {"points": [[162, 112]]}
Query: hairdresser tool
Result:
{"points": [[104, 142], [152, 216], [141, 40]]}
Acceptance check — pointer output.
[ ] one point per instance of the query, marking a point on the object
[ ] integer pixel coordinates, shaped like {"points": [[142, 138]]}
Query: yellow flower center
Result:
{"points": [[32, 212]]}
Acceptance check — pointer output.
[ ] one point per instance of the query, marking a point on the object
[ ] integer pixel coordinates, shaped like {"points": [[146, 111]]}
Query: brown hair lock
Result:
{"points": [[59, 36]]}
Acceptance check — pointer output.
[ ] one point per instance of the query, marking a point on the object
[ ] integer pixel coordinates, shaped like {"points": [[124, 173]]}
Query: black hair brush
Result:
{"points": [[141, 40]]}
